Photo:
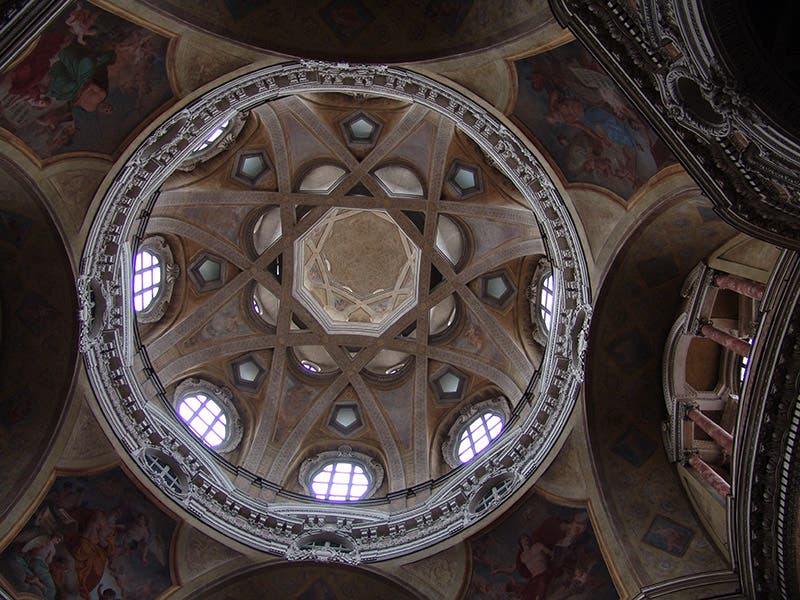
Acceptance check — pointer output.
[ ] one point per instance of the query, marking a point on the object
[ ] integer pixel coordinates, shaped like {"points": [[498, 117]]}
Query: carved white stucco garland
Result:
{"points": [[263, 515]]}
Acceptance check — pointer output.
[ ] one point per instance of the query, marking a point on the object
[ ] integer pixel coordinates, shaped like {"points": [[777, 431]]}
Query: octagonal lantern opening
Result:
{"points": [[356, 271]]}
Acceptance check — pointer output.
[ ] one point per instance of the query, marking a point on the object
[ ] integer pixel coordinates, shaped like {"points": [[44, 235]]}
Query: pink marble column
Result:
{"points": [[745, 287], [733, 344], [713, 478], [717, 433]]}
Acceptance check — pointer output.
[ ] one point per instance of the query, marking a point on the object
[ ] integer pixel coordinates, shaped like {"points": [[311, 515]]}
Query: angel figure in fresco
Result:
{"points": [[35, 561], [81, 22]]}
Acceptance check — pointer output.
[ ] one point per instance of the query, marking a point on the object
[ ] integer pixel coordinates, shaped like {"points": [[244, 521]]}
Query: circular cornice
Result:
{"points": [[260, 513]]}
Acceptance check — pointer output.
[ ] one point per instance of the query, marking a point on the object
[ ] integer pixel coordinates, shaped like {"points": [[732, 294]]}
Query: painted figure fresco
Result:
{"points": [[89, 80], [92, 538], [584, 122], [540, 551]]}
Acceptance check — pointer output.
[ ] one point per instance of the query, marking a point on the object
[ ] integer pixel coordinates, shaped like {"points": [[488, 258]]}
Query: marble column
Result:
{"points": [[711, 477], [717, 433], [740, 347], [745, 287]]}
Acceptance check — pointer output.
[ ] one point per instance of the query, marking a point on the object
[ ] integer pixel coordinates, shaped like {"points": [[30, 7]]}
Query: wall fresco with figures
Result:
{"points": [[580, 116], [92, 538], [541, 550], [87, 83]]}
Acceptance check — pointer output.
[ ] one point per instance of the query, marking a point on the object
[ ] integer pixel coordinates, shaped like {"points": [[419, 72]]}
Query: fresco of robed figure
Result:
{"points": [[89, 80], [580, 116]]}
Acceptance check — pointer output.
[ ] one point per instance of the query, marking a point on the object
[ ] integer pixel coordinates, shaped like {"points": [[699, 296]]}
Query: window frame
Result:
{"points": [[224, 141], [344, 454], [497, 405], [223, 397], [159, 248], [540, 329]]}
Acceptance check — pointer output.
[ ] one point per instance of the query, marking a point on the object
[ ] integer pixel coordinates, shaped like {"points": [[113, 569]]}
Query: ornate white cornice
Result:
{"points": [[260, 513]]}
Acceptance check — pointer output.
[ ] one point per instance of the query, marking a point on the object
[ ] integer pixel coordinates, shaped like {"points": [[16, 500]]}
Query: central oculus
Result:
{"points": [[356, 271]]}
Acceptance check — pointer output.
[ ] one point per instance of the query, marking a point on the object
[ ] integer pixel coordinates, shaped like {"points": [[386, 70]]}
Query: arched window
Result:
{"points": [[546, 298], [743, 369], [342, 475], [477, 436], [205, 417], [146, 279], [476, 427], [213, 136], [340, 481], [209, 413], [154, 274]]}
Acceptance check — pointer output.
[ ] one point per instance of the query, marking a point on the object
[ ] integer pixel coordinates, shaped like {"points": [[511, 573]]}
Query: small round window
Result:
{"points": [[146, 279], [477, 436], [340, 481], [205, 418]]}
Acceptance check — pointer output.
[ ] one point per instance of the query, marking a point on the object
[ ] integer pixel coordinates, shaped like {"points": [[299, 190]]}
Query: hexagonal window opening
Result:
{"points": [[247, 372], [465, 179], [497, 289], [449, 385], [356, 271], [251, 166], [345, 419], [361, 129], [207, 272]]}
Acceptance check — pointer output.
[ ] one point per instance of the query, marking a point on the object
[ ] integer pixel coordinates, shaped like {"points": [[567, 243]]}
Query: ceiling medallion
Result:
{"points": [[236, 501]]}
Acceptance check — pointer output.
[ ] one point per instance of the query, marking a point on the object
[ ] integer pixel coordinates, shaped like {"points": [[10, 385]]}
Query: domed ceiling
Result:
{"points": [[364, 30], [347, 273]]}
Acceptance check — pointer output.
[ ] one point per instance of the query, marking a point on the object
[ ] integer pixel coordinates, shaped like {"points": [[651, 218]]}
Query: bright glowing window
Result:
{"points": [[311, 367], [477, 436], [146, 279], [743, 369], [340, 482], [205, 418], [213, 136], [546, 299]]}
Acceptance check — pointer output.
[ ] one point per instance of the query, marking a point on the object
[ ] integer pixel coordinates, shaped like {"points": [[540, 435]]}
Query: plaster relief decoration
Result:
{"points": [[353, 308], [95, 536], [541, 550], [88, 82], [580, 116]]}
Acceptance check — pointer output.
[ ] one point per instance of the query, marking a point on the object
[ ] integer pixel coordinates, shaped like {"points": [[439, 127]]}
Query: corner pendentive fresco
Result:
{"points": [[88, 82], [92, 538], [580, 116], [541, 550]]}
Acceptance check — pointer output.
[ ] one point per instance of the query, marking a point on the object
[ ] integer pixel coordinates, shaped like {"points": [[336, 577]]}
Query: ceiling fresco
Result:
{"points": [[539, 550], [94, 536], [88, 82], [580, 117]]}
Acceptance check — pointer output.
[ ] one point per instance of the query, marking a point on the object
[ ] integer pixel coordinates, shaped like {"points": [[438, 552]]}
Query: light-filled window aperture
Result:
{"points": [[146, 279], [205, 418], [477, 436], [340, 482], [546, 299], [213, 136]]}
